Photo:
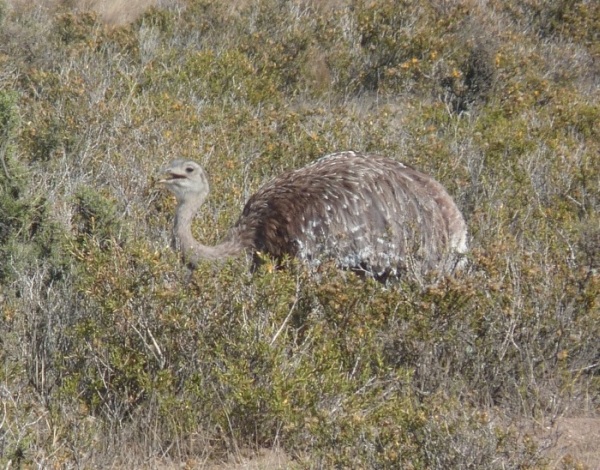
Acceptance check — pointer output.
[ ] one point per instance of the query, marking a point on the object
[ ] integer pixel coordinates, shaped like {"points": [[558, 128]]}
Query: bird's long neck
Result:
{"points": [[191, 249]]}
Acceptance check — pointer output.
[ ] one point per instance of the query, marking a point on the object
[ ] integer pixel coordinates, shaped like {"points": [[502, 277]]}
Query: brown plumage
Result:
{"points": [[366, 212]]}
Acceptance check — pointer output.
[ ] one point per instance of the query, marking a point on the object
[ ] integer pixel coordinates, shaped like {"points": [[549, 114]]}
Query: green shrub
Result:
{"points": [[26, 230], [132, 361], [95, 219]]}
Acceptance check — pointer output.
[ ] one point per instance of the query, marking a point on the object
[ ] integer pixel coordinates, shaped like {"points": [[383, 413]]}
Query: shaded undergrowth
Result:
{"points": [[113, 353]]}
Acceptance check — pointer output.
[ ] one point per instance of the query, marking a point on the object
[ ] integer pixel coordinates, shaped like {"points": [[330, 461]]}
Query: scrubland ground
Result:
{"points": [[114, 356]]}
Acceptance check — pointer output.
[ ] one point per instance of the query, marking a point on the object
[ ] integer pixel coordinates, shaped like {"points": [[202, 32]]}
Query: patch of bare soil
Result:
{"points": [[119, 12], [573, 442], [266, 459], [569, 443], [113, 12]]}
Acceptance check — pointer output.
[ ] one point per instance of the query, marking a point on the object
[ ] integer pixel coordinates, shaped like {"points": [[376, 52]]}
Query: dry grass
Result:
{"points": [[113, 356]]}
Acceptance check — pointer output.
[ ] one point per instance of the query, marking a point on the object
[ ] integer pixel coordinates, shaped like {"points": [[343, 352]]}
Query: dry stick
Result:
{"points": [[3, 148], [286, 318]]}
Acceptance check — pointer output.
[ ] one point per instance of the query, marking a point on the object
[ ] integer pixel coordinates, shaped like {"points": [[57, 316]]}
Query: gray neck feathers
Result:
{"points": [[191, 249]]}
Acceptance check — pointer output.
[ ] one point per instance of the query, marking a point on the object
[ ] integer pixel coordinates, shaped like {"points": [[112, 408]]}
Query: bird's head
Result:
{"points": [[186, 180]]}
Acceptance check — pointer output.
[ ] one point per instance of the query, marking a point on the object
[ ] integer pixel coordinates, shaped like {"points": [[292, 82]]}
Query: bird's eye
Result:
{"points": [[189, 169]]}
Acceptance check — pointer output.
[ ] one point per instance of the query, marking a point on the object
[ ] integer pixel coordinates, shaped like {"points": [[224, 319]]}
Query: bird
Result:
{"points": [[368, 213]]}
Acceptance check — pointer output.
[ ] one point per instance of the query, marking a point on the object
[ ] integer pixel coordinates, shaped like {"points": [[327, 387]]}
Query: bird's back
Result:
{"points": [[363, 211]]}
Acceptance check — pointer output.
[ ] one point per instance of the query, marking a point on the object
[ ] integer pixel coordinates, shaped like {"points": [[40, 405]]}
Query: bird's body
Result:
{"points": [[366, 212]]}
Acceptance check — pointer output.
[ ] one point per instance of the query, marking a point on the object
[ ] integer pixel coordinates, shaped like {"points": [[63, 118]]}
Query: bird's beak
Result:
{"points": [[166, 174], [170, 176]]}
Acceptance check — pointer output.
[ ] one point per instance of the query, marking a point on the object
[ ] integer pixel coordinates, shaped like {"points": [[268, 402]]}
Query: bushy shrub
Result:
{"points": [[132, 361]]}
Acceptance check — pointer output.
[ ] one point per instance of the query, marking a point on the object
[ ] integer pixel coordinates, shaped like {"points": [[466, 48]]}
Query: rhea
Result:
{"points": [[367, 213]]}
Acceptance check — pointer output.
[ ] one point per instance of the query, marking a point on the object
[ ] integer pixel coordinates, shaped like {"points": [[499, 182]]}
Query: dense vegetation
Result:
{"points": [[112, 354]]}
